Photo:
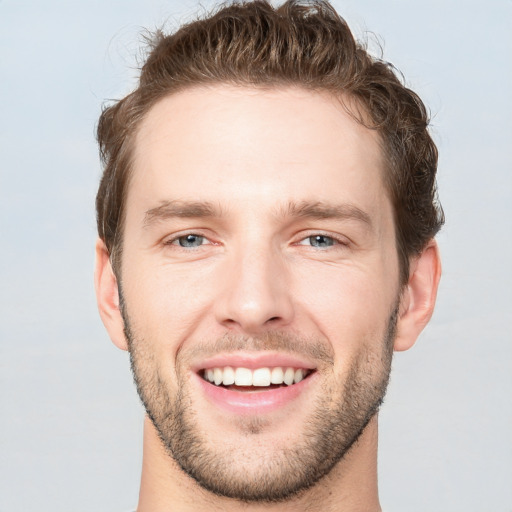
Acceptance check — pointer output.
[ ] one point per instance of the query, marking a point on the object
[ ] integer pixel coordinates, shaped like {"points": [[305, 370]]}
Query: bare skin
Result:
{"points": [[253, 212]]}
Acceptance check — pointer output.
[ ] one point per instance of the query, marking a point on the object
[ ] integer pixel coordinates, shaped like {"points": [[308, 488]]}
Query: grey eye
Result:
{"points": [[190, 241], [321, 241]]}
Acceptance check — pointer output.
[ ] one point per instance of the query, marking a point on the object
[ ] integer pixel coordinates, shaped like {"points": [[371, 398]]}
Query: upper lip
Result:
{"points": [[254, 360]]}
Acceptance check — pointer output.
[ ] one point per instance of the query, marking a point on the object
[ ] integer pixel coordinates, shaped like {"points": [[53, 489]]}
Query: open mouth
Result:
{"points": [[245, 379]]}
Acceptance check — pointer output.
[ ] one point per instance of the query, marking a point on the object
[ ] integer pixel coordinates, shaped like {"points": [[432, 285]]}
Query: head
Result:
{"points": [[306, 45], [267, 205]]}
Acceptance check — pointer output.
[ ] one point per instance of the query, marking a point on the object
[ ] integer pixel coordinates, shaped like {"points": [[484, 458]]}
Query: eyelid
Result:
{"points": [[338, 239], [300, 237], [173, 239]]}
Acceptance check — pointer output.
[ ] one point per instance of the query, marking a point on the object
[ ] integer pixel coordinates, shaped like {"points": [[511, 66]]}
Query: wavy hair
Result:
{"points": [[299, 43]]}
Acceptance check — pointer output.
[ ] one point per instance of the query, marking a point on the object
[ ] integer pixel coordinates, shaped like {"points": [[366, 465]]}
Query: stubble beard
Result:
{"points": [[340, 415]]}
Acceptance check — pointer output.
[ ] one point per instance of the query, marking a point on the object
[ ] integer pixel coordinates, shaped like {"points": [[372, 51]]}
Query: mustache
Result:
{"points": [[313, 348]]}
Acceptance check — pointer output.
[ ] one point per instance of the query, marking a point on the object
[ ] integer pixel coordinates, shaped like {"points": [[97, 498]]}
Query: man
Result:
{"points": [[266, 229]]}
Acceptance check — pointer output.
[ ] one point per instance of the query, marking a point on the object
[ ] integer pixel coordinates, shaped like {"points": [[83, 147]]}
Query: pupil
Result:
{"points": [[321, 241]]}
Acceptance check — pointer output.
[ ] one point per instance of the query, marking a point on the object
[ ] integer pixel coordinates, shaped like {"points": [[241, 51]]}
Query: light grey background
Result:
{"points": [[71, 422]]}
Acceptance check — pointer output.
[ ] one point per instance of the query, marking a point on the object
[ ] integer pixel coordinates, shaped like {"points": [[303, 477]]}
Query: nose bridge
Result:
{"points": [[256, 292]]}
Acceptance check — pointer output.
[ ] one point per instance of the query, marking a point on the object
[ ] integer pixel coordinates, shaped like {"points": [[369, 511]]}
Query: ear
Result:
{"points": [[418, 297], [107, 296]]}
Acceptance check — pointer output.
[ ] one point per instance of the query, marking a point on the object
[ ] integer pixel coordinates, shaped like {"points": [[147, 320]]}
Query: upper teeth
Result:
{"points": [[258, 377]]}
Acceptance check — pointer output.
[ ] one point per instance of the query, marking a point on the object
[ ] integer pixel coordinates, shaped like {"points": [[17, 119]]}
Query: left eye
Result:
{"points": [[320, 241], [189, 241]]}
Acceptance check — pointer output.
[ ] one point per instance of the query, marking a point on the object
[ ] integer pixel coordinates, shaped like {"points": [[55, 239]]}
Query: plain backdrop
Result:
{"points": [[71, 422]]}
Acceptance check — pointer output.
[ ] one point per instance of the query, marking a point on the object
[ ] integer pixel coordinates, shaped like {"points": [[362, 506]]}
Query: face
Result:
{"points": [[259, 284]]}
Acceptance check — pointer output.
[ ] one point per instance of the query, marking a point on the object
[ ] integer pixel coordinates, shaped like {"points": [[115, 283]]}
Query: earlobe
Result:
{"points": [[107, 296], [419, 297]]}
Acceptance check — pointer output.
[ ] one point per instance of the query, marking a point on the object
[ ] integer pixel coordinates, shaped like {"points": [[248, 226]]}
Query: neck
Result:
{"points": [[350, 487]]}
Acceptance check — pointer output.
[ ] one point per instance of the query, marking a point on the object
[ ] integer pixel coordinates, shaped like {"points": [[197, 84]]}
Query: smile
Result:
{"points": [[258, 377], [255, 383], [254, 391]]}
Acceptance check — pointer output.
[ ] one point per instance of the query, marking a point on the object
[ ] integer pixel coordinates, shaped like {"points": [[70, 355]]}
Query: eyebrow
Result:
{"points": [[304, 209], [181, 209], [322, 210]]}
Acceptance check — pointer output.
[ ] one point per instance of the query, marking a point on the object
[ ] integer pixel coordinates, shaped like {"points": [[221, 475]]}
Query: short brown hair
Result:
{"points": [[304, 44]]}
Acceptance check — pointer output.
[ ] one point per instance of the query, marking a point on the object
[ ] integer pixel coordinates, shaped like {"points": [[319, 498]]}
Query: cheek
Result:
{"points": [[350, 306], [164, 302]]}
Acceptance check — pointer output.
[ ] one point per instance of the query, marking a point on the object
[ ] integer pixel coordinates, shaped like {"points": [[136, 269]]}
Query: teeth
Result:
{"points": [[218, 376], [289, 375], [277, 375], [260, 377], [229, 376], [243, 377]]}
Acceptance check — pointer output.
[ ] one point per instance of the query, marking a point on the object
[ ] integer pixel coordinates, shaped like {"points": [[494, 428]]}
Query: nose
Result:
{"points": [[256, 294]]}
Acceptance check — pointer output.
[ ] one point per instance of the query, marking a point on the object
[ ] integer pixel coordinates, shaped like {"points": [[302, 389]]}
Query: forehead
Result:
{"points": [[240, 145]]}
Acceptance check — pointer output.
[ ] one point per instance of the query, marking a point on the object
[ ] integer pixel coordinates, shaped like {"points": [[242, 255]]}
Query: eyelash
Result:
{"points": [[336, 240], [175, 240]]}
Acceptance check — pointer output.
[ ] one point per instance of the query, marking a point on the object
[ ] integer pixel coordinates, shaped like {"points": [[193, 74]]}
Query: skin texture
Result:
{"points": [[256, 176]]}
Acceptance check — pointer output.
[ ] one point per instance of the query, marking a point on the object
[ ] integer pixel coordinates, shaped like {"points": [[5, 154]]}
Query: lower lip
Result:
{"points": [[254, 402]]}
